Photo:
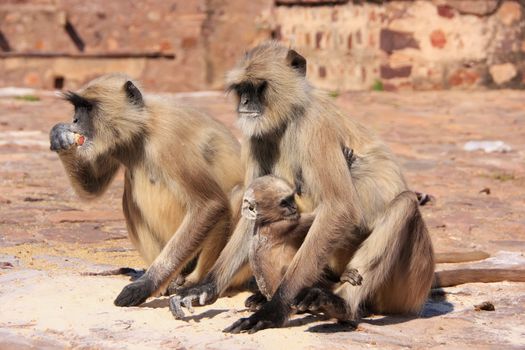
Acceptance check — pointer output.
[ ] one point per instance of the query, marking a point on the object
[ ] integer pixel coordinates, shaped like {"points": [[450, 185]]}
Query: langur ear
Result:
{"points": [[296, 61], [133, 94]]}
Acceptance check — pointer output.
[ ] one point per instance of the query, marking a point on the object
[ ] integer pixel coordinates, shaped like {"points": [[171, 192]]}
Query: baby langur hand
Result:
{"points": [[352, 276], [62, 138]]}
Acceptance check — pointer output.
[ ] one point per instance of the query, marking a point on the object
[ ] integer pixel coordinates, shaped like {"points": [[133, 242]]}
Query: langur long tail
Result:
{"points": [[486, 275], [460, 257]]}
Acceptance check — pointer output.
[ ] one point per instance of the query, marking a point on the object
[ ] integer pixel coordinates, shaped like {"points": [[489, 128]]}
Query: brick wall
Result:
{"points": [[170, 45], [409, 45], [182, 45]]}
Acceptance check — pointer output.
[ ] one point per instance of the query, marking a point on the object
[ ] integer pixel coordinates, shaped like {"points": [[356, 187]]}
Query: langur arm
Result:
{"points": [[233, 257], [89, 178], [337, 215], [198, 221], [305, 222]]}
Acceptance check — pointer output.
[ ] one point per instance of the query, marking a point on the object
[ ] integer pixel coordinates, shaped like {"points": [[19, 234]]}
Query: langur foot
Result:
{"points": [[273, 314], [204, 294], [255, 301], [135, 293], [177, 285], [321, 300]]}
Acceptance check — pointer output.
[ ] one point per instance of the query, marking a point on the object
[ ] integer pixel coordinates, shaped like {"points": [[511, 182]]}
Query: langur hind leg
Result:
{"points": [[396, 264]]}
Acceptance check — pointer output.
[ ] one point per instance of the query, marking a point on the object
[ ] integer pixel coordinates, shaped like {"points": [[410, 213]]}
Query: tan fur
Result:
{"points": [[181, 167], [278, 231]]}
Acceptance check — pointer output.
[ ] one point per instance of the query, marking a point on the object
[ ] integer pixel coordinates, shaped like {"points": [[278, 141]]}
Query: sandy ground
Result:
{"points": [[48, 237]]}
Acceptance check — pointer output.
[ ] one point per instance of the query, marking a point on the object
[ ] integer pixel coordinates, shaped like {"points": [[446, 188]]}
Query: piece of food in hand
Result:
{"points": [[79, 139]]}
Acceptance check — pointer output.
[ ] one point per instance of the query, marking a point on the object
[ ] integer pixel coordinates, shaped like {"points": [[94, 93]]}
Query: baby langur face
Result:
{"points": [[269, 199]]}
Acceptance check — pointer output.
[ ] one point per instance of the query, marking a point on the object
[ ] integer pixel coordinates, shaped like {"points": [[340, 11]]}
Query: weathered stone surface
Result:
{"points": [[474, 7], [201, 40], [46, 303], [510, 12], [502, 73], [388, 72], [322, 72], [463, 77], [390, 40], [445, 11], [310, 2]]}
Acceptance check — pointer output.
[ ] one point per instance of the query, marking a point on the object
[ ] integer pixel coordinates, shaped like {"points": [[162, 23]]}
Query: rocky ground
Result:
{"points": [[48, 237]]}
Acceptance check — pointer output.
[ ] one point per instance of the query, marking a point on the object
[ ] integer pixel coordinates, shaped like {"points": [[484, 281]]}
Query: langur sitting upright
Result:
{"points": [[279, 231], [180, 168]]}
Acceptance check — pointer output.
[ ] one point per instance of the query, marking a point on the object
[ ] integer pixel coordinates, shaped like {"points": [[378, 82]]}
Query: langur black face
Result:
{"points": [[271, 88], [108, 113], [251, 98], [83, 116]]}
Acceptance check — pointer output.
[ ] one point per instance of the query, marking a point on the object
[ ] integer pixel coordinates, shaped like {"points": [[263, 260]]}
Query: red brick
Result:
{"points": [[445, 11], [391, 40], [322, 72], [438, 39], [318, 38], [388, 72]]}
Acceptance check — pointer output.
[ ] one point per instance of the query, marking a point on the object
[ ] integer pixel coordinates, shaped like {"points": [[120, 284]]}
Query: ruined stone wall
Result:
{"points": [[408, 44], [183, 45], [170, 45]]}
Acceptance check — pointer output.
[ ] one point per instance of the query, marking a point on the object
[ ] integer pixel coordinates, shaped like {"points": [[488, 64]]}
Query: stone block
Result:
{"points": [[390, 40], [502, 73]]}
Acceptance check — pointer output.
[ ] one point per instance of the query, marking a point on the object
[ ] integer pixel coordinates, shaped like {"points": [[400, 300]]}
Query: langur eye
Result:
{"points": [[75, 120], [262, 87], [284, 203], [251, 208]]}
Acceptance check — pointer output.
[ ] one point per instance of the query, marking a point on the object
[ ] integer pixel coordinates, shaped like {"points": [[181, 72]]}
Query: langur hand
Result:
{"points": [[273, 314], [61, 137], [204, 294]]}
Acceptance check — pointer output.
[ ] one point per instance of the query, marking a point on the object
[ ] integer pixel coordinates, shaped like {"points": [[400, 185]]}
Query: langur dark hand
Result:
{"points": [[135, 293], [61, 137], [255, 301]]}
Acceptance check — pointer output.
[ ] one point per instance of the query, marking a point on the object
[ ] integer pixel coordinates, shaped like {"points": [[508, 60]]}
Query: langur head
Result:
{"points": [[108, 113], [271, 88], [269, 199]]}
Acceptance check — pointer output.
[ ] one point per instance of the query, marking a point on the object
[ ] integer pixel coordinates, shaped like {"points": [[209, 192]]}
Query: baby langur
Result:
{"points": [[279, 231]]}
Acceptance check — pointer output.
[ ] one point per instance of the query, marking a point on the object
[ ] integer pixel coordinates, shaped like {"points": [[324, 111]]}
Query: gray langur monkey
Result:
{"points": [[180, 169]]}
